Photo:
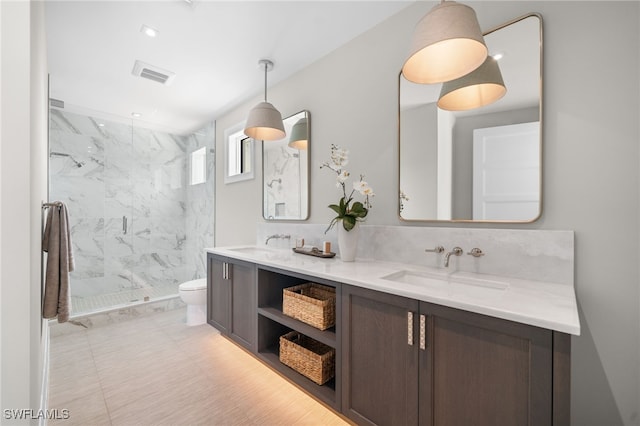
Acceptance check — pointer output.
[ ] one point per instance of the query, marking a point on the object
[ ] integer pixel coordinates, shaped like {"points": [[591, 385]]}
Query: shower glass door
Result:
{"points": [[124, 187]]}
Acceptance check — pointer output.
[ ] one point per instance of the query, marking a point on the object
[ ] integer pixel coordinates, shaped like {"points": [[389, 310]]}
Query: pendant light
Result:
{"points": [[482, 86], [447, 44], [299, 135], [265, 121]]}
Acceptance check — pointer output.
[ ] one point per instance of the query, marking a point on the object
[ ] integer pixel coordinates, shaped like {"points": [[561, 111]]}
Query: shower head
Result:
{"points": [[62, 154]]}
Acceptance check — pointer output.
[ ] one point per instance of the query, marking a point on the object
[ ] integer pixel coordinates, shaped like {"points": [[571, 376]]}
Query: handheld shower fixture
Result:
{"points": [[270, 184]]}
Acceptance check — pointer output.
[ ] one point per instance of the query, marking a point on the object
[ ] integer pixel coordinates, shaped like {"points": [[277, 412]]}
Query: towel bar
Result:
{"points": [[44, 207]]}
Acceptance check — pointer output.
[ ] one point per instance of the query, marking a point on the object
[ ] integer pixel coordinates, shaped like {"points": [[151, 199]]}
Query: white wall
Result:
{"points": [[591, 162], [23, 131], [38, 190]]}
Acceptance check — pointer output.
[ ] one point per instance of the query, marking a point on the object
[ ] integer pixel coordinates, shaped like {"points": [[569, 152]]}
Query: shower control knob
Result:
{"points": [[476, 252]]}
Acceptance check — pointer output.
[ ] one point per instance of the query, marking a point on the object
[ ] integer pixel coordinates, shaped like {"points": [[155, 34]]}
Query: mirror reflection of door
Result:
{"points": [[436, 146], [506, 172], [285, 171]]}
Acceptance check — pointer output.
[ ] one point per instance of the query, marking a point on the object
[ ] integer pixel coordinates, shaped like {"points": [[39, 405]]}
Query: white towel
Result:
{"points": [[56, 241]]}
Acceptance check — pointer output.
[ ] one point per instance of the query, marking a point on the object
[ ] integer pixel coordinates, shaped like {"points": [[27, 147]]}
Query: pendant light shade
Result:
{"points": [[299, 135], [447, 44], [265, 121], [481, 87]]}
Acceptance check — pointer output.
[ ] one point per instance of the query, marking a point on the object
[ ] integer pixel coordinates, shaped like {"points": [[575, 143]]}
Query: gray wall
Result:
{"points": [[419, 159], [591, 109]]}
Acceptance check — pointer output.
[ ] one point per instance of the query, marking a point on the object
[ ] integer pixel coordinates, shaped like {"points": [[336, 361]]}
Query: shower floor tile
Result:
{"points": [[134, 373], [83, 305]]}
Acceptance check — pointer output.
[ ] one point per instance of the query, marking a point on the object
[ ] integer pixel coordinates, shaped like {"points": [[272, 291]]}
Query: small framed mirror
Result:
{"points": [[480, 164], [239, 158], [285, 171]]}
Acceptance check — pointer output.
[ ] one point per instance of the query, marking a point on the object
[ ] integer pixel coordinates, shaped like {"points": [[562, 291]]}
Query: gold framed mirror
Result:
{"points": [[482, 164], [285, 171]]}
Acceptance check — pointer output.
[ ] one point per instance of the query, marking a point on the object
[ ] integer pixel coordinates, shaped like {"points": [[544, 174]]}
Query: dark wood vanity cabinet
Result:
{"points": [[407, 362], [484, 371], [400, 361], [231, 299], [380, 368]]}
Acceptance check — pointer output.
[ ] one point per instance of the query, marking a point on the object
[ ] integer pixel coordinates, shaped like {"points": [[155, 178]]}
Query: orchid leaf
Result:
{"points": [[336, 208], [348, 222], [358, 209]]}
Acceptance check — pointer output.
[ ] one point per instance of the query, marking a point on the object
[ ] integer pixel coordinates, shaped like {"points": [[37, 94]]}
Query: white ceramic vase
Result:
{"points": [[348, 242]]}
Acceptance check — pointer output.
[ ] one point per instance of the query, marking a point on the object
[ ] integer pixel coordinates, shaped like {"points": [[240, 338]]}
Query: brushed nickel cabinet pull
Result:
{"points": [[423, 337], [410, 328]]}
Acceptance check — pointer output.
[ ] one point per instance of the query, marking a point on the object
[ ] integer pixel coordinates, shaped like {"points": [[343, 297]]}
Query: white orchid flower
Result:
{"points": [[343, 176]]}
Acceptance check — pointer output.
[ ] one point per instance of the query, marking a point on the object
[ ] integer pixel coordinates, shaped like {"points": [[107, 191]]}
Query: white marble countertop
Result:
{"points": [[548, 305]]}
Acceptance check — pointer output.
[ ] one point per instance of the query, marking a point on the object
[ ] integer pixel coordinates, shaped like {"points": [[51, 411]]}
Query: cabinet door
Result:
{"points": [[380, 366], [218, 294], [478, 370], [243, 304]]}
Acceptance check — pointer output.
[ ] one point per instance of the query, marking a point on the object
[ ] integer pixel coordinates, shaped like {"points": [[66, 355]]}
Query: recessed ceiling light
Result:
{"points": [[498, 56], [136, 115], [148, 31], [101, 124]]}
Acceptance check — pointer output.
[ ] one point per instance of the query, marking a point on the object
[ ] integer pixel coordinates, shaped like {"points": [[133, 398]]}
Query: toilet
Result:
{"points": [[194, 294]]}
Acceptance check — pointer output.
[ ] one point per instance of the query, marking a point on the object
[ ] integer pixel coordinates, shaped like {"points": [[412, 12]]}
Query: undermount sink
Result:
{"points": [[443, 280], [468, 278], [251, 250], [418, 278]]}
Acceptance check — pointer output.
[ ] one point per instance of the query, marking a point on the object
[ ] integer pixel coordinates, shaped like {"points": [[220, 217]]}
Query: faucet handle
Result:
{"points": [[476, 252], [436, 249]]}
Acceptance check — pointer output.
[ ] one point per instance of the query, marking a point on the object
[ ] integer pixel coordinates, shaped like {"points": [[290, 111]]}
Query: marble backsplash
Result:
{"points": [[538, 255]]}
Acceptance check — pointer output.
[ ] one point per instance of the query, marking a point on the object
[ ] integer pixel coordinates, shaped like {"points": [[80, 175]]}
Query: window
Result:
{"points": [[199, 166]]}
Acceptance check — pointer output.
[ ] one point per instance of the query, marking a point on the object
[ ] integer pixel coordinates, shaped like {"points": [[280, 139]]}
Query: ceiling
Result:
{"points": [[213, 47]]}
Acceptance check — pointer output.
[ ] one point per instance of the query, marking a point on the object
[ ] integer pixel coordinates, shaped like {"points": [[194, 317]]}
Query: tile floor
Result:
{"points": [[154, 370]]}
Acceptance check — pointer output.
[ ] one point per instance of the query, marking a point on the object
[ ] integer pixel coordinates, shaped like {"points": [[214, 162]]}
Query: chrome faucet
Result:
{"points": [[436, 249], [457, 251], [277, 236]]}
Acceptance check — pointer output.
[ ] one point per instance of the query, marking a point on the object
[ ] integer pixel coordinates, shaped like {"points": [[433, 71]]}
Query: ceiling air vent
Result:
{"points": [[151, 72]]}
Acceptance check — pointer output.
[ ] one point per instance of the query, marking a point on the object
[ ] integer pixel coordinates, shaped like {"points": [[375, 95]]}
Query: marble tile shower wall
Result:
{"points": [[107, 173], [200, 206]]}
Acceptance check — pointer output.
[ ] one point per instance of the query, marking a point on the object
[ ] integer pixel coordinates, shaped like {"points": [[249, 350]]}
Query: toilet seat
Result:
{"points": [[194, 285]]}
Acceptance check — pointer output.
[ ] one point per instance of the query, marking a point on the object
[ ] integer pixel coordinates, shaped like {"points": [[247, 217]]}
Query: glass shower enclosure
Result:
{"points": [[139, 222]]}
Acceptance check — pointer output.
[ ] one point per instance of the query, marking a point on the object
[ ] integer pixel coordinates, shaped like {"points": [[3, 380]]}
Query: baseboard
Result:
{"points": [[44, 389]]}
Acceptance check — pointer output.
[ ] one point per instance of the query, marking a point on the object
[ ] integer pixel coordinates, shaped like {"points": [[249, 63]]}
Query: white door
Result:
{"points": [[506, 172]]}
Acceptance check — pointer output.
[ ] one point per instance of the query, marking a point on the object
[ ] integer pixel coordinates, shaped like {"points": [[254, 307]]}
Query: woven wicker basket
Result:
{"points": [[311, 358], [311, 303]]}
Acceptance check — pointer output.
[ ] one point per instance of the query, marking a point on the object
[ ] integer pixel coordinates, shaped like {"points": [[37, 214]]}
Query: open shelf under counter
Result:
{"points": [[326, 393], [328, 337]]}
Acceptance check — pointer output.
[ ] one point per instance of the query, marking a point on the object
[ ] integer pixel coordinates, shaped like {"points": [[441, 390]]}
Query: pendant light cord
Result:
{"points": [[266, 65]]}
